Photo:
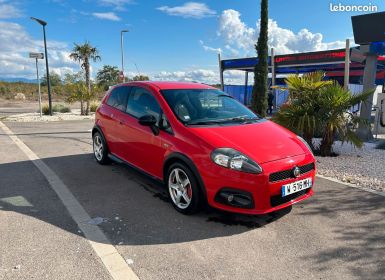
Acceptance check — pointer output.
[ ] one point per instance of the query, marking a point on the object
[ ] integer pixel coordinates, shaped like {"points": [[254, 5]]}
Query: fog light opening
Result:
{"points": [[235, 198]]}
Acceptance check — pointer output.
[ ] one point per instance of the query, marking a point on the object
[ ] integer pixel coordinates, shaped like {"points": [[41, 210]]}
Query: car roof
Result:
{"points": [[171, 85]]}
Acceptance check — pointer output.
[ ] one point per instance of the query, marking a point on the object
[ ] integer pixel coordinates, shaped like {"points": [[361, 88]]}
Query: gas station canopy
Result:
{"points": [[330, 61]]}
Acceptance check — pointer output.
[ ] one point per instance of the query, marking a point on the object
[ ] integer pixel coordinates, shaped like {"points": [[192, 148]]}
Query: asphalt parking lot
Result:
{"points": [[336, 234]]}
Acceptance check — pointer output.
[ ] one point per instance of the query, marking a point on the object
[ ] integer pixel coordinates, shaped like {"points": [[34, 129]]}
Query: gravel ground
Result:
{"points": [[35, 117], [363, 167]]}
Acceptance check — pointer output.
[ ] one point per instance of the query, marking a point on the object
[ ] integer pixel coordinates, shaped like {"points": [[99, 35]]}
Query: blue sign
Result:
{"points": [[378, 48]]}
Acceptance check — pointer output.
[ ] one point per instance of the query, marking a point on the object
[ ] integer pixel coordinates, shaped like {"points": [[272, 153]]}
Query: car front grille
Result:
{"points": [[287, 174], [278, 199]]}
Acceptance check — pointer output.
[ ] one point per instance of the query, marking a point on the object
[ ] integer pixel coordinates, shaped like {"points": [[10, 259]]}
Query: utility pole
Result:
{"points": [[43, 23]]}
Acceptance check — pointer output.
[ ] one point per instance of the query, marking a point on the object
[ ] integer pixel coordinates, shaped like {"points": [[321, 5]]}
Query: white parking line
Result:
{"points": [[112, 260]]}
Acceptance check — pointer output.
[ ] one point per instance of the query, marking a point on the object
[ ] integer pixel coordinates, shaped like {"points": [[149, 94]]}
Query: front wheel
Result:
{"points": [[183, 189], [100, 148]]}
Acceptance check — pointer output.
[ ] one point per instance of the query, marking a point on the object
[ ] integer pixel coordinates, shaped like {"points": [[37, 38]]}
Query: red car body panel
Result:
{"points": [[263, 141], [273, 147]]}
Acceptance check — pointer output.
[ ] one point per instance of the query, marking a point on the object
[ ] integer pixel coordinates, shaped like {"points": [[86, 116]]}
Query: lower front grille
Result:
{"points": [[278, 199], [287, 174]]}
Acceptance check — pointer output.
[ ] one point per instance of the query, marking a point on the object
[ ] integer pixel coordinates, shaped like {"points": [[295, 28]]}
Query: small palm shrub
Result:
{"points": [[336, 119], [300, 113], [318, 107]]}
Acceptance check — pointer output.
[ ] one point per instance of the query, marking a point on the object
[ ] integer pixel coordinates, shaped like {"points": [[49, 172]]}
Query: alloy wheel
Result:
{"points": [[180, 189], [98, 147]]}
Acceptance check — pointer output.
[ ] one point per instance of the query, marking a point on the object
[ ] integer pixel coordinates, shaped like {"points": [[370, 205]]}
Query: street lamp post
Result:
{"points": [[43, 23], [122, 52]]}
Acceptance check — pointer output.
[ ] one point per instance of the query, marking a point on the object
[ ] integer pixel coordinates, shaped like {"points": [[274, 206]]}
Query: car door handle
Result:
{"points": [[111, 115]]}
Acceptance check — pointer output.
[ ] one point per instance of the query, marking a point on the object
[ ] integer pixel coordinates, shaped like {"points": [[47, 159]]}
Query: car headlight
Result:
{"points": [[306, 143], [235, 160]]}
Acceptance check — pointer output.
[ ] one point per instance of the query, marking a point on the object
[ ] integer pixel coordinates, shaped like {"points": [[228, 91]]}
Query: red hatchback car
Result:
{"points": [[205, 147]]}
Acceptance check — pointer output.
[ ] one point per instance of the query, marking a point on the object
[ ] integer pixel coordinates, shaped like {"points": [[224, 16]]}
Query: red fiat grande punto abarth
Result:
{"points": [[205, 146]]}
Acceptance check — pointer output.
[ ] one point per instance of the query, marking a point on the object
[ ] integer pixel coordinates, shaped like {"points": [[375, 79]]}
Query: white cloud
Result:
{"points": [[239, 36], [208, 48], [189, 10], [16, 43], [234, 31], [206, 76], [9, 10], [286, 41], [108, 16], [233, 52], [116, 4], [200, 75]]}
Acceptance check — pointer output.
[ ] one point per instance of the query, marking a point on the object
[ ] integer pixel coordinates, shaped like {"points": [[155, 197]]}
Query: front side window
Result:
{"points": [[118, 98], [206, 106], [141, 102]]}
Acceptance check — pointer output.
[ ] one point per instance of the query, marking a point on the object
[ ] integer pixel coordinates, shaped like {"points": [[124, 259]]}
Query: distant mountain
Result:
{"points": [[12, 80]]}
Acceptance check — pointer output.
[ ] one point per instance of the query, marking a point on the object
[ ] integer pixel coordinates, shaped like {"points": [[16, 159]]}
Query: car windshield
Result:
{"points": [[207, 106]]}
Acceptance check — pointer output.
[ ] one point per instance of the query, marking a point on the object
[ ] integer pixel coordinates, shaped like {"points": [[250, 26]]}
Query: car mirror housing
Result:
{"points": [[149, 120]]}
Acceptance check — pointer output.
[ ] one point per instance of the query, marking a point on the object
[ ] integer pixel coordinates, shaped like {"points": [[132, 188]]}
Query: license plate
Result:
{"points": [[296, 186]]}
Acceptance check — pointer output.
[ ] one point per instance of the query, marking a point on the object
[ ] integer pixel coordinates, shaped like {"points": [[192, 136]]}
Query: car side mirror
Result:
{"points": [[149, 120]]}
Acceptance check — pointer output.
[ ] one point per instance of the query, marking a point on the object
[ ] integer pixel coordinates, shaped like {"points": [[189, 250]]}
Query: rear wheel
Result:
{"points": [[100, 148], [183, 189]]}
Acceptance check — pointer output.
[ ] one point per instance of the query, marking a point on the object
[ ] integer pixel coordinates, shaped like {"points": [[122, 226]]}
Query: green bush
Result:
{"points": [[61, 108], [45, 109], [94, 106]]}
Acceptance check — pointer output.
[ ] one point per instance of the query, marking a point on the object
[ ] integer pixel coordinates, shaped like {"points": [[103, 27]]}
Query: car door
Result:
{"points": [[115, 118], [142, 148]]}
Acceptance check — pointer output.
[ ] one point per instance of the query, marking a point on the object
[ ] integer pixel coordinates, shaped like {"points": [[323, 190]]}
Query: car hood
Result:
{"points": [[263, 141]]}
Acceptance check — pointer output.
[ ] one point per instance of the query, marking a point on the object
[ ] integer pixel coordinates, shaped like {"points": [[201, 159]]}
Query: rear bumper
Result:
{"points": [[266, 196]]}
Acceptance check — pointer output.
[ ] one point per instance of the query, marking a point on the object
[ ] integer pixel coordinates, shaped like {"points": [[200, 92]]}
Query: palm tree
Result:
{"points": [[83, 54], [300, 114], [335, 103]]}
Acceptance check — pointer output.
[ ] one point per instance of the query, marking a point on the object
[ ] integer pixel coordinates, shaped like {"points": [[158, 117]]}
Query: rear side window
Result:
{"points": [[118, 98], [141, 102]]}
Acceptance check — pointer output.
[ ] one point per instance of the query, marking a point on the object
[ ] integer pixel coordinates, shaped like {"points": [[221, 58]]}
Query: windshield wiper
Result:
{"points": [[205, 122], [225, 95], [242, 119]]}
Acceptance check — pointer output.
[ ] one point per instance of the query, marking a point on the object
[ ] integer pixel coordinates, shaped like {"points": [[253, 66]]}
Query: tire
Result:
{"points": [[184, 192], [100, 148]]}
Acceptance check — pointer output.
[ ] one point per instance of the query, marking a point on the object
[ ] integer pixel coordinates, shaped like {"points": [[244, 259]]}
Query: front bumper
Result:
{"points": [[265, 195]]}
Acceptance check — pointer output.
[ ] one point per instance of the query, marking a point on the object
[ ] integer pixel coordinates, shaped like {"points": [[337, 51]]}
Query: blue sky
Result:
{"points": [[168, 39]]}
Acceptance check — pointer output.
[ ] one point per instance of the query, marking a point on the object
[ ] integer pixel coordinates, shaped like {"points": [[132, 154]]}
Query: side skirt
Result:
{"points": [[154, 179]]}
